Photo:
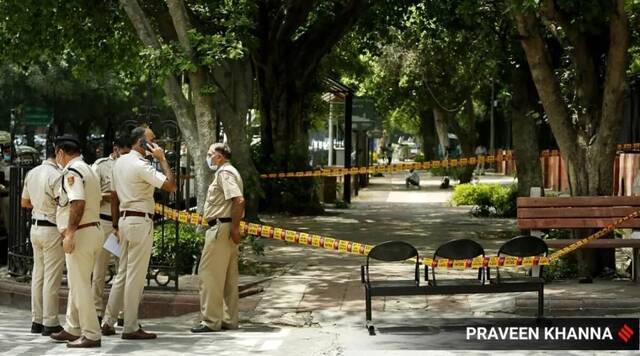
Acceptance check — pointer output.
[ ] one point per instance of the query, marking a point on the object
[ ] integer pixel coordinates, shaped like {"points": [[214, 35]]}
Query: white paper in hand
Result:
{"points": [[111, 245]]}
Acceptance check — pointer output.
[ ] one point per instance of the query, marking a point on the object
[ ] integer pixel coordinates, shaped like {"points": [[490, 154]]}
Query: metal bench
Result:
{"points": [[396, 251]]}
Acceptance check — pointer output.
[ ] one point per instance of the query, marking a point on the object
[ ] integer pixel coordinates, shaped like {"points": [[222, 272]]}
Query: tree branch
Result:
{"points": [[324, 34], [615, 77], [546, 82], [295, 15], [182, 108], [181, 24], [586, 76]]}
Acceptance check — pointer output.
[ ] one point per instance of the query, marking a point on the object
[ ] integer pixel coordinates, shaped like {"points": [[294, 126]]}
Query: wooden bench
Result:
{"points": [[582, 213]]}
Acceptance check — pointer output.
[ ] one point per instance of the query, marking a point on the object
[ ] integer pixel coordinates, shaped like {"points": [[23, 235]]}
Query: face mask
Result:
{"points": [[212, 166], [7, 157]]}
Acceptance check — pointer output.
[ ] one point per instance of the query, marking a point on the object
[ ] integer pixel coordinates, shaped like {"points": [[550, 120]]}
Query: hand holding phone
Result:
{"points": [[156, 151]]}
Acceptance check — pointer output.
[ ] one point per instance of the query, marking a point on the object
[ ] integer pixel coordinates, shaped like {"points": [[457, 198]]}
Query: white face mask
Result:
{"points": [[212, 166]]}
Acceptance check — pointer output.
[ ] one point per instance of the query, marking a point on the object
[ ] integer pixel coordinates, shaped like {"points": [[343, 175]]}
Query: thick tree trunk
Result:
{"points": [[234, 97], [587, 141], [285, 148], [464, 128], [291, 42], [428, 134], [524, 131], [442, 129]]}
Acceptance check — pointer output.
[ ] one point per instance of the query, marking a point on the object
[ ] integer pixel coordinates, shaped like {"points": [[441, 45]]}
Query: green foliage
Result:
{"points": [[487, 199], [563, 268], [185, 253], [189, 248]]}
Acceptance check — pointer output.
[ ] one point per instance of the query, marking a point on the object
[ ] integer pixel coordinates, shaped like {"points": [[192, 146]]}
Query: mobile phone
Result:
{"points": [[146, 145]]}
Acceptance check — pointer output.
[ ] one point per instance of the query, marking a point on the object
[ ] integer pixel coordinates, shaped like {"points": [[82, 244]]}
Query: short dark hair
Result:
{"points": [[50, 150], [136, 134], [223, 149], [68, 143], [122, 141]]}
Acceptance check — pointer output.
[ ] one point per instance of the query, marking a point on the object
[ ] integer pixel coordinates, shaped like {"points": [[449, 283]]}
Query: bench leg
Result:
{"points": [[368, 324], [541, 301], [367, 302]]}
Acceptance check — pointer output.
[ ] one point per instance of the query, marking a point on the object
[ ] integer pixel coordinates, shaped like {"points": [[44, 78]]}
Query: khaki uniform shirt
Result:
{"points": [[79, 182], [227, 184], [135, 179], [41, 187], [103, 168]]}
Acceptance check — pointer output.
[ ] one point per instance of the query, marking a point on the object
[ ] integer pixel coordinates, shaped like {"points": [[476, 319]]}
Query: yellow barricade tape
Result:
{"points": [[397, 167], [354, 248]]}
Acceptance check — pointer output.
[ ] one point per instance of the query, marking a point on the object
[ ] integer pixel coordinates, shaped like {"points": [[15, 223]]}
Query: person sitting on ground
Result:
{"points": [[413, 179]]}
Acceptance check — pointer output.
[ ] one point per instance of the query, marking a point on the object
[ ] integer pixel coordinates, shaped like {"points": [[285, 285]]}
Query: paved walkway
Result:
{"points": [[316, 307]]}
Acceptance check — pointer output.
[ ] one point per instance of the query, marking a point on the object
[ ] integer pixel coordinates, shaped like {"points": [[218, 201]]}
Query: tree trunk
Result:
{"points": [[285, 146], [428, 134], [587, 141], [464, 127], [524, 131], [234, 97], [440, 118]]}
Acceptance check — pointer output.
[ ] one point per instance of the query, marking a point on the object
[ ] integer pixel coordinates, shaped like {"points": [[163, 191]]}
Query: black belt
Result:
{"points": [[42, 222], [105, 217], [213, 222]]}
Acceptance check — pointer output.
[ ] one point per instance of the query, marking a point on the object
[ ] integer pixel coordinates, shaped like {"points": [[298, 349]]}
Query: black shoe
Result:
{"points": [[120, 322], [48, 330], [201, 328], [36, 328]]}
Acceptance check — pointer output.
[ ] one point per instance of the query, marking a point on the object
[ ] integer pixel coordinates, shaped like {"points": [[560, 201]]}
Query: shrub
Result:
{"points": [[487, 199], [190, 246], [191, 242], [562, 268]]}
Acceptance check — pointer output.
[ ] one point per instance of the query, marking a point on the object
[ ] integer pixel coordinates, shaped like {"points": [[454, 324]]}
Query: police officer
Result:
{"points": [[218, 269], [103, 168], [40, 188], [134, 181], [78, 219]]}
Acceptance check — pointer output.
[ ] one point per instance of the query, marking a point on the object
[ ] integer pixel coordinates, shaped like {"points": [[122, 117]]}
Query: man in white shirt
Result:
{"points": [[38, 194], [78, 220], [134, 181], [103, 168]]}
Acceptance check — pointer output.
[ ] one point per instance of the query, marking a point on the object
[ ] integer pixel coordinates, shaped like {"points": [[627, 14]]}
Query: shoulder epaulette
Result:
{"points": [[101, 160]]}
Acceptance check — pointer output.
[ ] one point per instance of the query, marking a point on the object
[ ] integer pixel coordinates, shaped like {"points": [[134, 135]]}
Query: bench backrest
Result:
{"points": [[524, 246], [459, 249], [393, 251], [576, 212]]}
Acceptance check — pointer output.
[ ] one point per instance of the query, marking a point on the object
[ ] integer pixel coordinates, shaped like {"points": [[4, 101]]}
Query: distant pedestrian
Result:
{"points": [[481, 151], [413, 179]]}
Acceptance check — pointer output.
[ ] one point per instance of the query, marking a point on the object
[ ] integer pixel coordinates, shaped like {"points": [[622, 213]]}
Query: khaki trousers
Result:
{"points": [[81, 315], [48, 263], [136, 236], [103, 260], [218, 271]]}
